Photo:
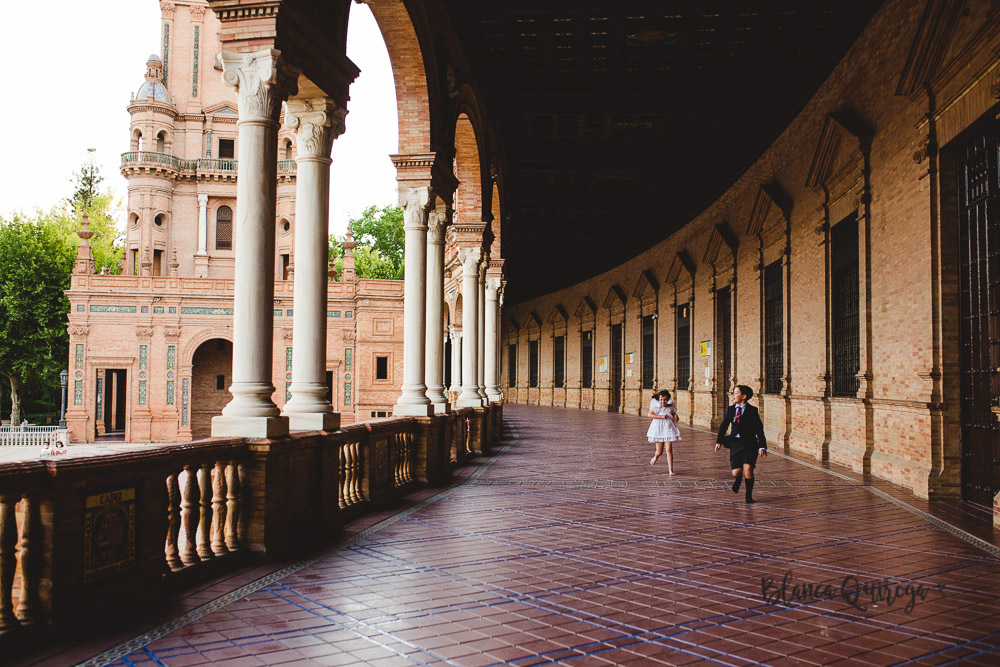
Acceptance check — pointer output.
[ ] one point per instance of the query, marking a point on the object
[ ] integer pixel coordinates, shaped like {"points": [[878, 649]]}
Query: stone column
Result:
{"points": [[456, 360], [481, 338], [413, 401], [470, 322], [434, 350], [492, 338], [317, 122], [262, 81], [202, 224]]}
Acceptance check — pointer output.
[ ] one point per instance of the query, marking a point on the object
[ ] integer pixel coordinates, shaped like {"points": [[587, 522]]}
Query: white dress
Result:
{"points": [[663, 430]]}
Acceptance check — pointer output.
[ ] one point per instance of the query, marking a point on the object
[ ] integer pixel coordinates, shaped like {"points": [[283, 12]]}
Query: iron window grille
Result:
{"points": [[648, 351], [587, 359], [224, 228], [844, 283], [683, 346], [773, 328], [512, 365], [559, 361], [533, 363]]}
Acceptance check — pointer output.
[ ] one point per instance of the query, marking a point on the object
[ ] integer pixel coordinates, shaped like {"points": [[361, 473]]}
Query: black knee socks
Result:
{"points": [[736, 483], [750, 490]]}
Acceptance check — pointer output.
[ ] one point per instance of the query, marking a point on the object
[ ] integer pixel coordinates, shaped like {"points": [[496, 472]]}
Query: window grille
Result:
{"points": [[648, 351], [773, 328], [559, 361], [224, 228], [587, 359], [381, 368], [227, 149], [683, 346], [512, 365], [533, 363], [844, 283]]}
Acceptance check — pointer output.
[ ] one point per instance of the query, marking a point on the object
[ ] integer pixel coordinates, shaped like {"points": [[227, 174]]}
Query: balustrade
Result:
{"points": [[203, 165], [30, 436]]}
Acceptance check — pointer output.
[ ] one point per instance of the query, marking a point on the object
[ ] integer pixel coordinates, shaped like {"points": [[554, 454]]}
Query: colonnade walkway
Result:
{"points": [[567, 547]]}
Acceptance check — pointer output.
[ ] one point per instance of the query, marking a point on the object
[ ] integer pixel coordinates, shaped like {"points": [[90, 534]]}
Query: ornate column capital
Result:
{"points": [[493, 287], [470, 257], [317, 123], [437, 221], [203, 200], [262, 81], [483, 266], [414, 202]]}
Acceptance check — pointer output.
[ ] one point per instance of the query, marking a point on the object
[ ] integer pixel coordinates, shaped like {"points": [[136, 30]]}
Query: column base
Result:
{"points": [[412, 410], [249, 427], [469, 402], [441, 407], [312, 421]]}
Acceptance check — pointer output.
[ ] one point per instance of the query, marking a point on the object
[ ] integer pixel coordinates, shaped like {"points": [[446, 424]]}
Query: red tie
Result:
{"points": [[739, 411]]}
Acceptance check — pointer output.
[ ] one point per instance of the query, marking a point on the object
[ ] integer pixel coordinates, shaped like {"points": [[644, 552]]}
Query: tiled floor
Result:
{"points": [[567, 547]]}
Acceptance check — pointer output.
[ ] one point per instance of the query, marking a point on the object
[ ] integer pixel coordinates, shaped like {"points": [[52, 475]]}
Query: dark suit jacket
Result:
{"points": [[750, 428]]}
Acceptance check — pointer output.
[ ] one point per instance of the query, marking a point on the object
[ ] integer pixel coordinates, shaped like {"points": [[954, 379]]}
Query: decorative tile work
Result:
{"points": [[288, 313], [288, 391], [157, 310], [143, 356], [184, 401], [170, 392], [208, 144], [288, 358], [80, 308], [142, 392], [277, 312], [171, 357], [79, 355], [78, 392], [144, 309], [100, 399], [194, 73], [166, 49], [333, 313], [186, 310], [348, 358], [347, 393], [111, 309], [348, 313], [173, 310]]}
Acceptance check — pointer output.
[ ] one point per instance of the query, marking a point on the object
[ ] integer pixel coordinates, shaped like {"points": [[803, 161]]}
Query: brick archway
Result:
{"points": [[212, 360]]}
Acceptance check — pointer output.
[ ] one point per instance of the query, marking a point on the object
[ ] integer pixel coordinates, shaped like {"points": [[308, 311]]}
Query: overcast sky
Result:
{"points": [[76, 62]]}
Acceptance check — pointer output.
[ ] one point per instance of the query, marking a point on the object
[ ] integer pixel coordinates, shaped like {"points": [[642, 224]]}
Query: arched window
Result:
{"points": [[288, 150], [224, 228], [161, 142], [137, 141]]}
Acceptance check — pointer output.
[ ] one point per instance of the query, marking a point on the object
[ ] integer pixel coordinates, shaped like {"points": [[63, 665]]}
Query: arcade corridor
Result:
{"points": [[566, 547]]}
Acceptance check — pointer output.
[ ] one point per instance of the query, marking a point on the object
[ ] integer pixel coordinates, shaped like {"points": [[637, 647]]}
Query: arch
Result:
{"points": [[211, 375], [409, 75], [161, 141], [468, 170], [289, 150], [186, 353], [136, 143], [224, 228]]}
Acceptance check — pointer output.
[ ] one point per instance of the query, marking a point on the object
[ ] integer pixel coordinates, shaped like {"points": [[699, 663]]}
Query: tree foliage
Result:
{"points": [[36, 261], [379, 235]]}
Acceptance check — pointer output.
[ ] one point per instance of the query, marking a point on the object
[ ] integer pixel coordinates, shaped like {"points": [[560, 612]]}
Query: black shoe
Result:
{"points": [[750, 491], [736, 484], [750, 501]]}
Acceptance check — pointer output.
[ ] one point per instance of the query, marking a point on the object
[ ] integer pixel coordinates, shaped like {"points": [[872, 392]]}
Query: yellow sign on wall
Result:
{"points": [[628, 357], [706, 348]]}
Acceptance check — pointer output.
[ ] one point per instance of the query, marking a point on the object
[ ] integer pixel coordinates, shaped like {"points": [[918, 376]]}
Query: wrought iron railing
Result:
{"points": [[195, 166]]}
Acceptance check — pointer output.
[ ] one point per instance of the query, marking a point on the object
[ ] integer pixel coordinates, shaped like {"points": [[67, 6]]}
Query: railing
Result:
{"points": [[129, 528], [197, 165], [27, 435]]}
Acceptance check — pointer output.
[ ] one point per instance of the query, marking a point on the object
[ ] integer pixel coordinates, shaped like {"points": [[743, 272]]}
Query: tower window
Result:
{"points": [[288, 150], [224, 228], [227, 149]]}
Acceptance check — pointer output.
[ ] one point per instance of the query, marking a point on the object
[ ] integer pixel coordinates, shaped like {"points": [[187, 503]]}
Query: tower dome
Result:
{"points": [[153, 86]]}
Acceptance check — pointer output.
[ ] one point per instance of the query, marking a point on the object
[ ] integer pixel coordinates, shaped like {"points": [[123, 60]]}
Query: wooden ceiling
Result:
{"points": [[619, 121]]}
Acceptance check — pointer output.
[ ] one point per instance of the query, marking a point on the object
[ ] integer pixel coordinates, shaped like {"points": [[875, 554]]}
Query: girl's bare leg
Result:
{"points": [[658, 454], [670, 458]]}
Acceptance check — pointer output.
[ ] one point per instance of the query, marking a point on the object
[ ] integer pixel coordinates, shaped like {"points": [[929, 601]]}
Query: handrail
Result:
{"points": [[197, 165]]}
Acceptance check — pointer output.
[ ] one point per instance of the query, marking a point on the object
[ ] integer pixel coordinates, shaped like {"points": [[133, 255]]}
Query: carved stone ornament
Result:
{"points": [[143, 332], [286, 334], [168, 9], [493, 287], [349, 337], [469, 257], [197, 12], [262, 82], [79, 330], [172, 332], [436, 221], [414, 203], [317, 123]]}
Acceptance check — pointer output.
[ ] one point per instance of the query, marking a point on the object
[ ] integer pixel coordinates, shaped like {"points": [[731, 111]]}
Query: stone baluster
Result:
{"points": [[189, 515], [8, 561], [413, 399], [317, 123], [173, 523], [232, 507], [28, 552], [205, 511], [262, 82], [470, 257], [219, 509]]}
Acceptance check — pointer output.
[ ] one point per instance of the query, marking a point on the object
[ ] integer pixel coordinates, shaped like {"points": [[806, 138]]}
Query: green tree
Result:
{"points": [[36, 262], [86, 182], [102, 211], [379, 235]]}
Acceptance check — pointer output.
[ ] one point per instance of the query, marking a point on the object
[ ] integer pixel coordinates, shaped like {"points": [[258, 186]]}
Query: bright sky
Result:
{"points": [[77, 63]]}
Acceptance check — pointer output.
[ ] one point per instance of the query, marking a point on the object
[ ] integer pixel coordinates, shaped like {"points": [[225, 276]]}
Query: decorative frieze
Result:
{"points": [[186, 310], [97, 308], [196, 48]]}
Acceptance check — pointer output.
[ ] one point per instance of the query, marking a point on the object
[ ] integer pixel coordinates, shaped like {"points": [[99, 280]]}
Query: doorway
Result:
{"points": [[112, 403], [617, 352], [724, 363]]}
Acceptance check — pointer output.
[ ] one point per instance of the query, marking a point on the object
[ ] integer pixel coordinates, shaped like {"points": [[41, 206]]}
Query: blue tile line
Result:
{"points": [[144, 640], [957, 646]]}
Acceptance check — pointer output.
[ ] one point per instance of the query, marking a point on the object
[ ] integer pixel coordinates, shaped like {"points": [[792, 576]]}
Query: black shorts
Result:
{"points": [[738, 456]]}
